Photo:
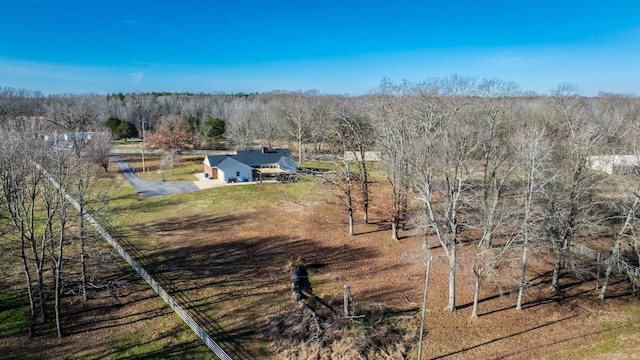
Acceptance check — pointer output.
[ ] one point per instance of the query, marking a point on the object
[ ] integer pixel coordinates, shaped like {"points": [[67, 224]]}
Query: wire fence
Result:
{"points": [[621, 266], [202, 334]]}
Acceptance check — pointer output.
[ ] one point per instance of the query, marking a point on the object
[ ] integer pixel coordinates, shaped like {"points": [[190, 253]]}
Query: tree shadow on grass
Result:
{"points": [[138, 350], [504, 337], [247, 275], [380, 226], [517, 353], [539, 280], [98, 317], [570, 289], [254, 273]]}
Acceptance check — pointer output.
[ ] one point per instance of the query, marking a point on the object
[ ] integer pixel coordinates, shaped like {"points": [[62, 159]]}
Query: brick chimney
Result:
{"points": [[265, 149]]}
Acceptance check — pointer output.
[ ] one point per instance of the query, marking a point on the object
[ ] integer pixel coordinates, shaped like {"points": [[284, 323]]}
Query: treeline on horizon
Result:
{"points": [[250, 119]]}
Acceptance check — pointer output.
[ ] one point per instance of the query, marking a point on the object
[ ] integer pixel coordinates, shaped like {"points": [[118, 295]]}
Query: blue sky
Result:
{"points": [[338, 47]]}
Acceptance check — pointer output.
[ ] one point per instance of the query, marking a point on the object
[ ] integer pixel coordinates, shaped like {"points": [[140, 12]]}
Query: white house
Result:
{"points": [[247, 165]]}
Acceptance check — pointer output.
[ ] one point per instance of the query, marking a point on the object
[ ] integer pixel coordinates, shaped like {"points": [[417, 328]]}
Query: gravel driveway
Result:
{"points": [[146, 188]]}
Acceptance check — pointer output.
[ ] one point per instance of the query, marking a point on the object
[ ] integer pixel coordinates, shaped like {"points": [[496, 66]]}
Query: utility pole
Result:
{"points": [[424, 305], [143, 144]]}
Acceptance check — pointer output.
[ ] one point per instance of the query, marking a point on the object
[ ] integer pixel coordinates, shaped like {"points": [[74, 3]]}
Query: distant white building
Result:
{"points": [[611, 164], [69, 139], [368, 156]]}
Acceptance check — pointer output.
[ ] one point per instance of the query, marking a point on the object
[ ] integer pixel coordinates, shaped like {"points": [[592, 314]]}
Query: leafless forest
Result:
{"points": [[467, 161]]}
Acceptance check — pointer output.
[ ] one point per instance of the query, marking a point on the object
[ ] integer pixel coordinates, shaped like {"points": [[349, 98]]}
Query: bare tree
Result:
{"points": [[439, 162], [298, 114], [354, 132], [622, 234], [321, 114], [99, 148], [37, 208], [439, 177], [143, 111], [626, 234], [342, 181], [393, 135], [240, 129], [571, 195], [496, 111], [533, 150], [62, 166], [268, 124], [79, 176], [76, 116], [9, 103], [21, 185]]}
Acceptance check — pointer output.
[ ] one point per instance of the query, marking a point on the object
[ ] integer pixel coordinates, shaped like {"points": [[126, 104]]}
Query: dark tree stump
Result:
{"points": [[300, 285]]}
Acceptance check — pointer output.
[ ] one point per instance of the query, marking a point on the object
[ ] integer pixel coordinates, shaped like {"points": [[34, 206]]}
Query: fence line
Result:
{"points": [[621, 265], [202, 334]]}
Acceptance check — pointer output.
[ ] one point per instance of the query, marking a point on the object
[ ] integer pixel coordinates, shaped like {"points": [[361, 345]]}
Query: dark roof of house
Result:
{"points": [[214, 160], [256, 158], [229, 162]]}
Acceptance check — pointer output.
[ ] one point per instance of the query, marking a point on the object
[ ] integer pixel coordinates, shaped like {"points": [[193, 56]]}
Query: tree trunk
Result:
{"points": [[394, 229], [557, 265], [32, 307], [82, 252], [37, 261], [525, 249], [58, 280], [394, 206], [523, 275], [424, 306], [44, 314], [615, 253], [476, 294], [365, 187], [452, 278], [299, 148], [607, 275], [37, 258], [556, 272], [351, 229]]}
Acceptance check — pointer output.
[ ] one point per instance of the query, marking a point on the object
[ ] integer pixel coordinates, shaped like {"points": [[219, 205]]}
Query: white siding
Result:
{"points": [[231, 169]]}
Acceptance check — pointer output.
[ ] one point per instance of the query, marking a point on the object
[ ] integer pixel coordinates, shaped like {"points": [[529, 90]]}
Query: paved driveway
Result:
{"points": [[146, 188]]}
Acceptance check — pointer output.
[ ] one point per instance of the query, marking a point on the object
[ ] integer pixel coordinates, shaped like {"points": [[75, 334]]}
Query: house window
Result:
{"points": [[237, 173]]}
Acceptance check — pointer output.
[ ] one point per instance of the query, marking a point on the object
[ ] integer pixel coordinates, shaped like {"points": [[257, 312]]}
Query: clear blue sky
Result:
{"points": [[339, 47]]}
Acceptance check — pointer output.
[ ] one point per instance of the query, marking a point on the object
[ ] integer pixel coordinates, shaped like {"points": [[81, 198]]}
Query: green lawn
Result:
{"points": [[14, 313]]}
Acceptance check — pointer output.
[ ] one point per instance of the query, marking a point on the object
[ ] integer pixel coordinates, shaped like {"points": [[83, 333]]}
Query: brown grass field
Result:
{"points": [[223, 252]]}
